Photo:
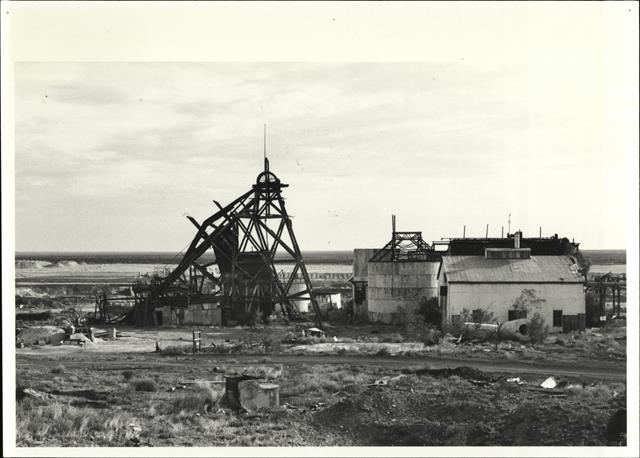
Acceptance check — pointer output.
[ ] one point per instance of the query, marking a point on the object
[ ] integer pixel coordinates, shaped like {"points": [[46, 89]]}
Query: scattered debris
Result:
{"points": [[515, 380], [22, 393], [479, 331], [313, 332], [549, 383], [79, 339], [40, 335]]}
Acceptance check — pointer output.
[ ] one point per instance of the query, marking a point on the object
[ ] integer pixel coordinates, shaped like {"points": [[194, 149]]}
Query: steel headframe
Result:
{"points": [[256, 225]]}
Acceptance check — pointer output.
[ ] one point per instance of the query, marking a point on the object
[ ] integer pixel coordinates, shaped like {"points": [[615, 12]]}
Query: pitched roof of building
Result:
{"points": [[537, 269]]}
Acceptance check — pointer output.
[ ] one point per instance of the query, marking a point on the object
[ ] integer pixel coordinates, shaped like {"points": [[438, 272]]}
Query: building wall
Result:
{"points": [[361, 257], [194, 314], [498, 298], [396, 288]]}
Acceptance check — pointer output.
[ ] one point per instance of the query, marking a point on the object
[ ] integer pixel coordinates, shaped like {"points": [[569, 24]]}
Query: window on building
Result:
{"points": [[557, 318], [443, 291], [517, 314]]}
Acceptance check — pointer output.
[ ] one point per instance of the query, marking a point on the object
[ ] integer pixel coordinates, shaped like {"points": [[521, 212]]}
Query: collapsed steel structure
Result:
{"points": [[242, 280]]}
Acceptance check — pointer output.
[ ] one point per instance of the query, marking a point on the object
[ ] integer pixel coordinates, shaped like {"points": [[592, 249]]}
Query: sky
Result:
{"points": [[111, 156]]}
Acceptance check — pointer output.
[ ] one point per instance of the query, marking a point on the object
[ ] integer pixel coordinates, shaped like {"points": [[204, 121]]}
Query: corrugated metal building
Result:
{"points": [[495, 281]]}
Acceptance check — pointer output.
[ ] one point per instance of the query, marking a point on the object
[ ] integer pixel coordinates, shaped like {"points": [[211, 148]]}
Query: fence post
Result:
{"points": [[196, 341]]}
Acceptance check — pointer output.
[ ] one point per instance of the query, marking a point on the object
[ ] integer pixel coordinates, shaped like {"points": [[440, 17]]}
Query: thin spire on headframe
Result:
{"points": [[266, 161]]}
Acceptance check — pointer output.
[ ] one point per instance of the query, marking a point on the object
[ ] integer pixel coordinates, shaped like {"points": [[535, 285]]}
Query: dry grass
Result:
{"points": [[191, 416], [201, 399], [266, 372], [176, 350], [58, 423], [145, 385], [319, 382]]}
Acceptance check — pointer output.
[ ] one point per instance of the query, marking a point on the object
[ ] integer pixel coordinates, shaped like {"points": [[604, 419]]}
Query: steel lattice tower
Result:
{"points": [[244, 236]]}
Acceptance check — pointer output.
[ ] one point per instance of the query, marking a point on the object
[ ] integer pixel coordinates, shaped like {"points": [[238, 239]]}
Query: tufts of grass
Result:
{"points": [[267, 372], [58, 370], [36, 423], [202, 398], [272, 344], [145, 385], [599, 392], [393, 338], [176, 350], [318, 381], [305, 340]]}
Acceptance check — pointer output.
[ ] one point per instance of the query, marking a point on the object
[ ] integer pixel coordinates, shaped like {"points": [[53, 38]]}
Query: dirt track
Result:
{"points": [[599, 371]]}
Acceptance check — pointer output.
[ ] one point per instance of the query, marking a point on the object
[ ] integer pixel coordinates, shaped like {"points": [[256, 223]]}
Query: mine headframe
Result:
{"points": [[405, 246], [244, 236]]}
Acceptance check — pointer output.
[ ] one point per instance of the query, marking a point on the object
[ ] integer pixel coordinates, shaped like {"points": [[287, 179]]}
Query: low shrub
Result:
{"points": [[272, 343], [145, 385], [306, 340], [127, 375], [431, 336], [429, 309], [384, 351], [538, 329], [58, 370], [393, 338]]}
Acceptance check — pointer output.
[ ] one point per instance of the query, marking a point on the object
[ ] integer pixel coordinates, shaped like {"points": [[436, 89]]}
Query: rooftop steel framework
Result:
{"points": [[405, 247]]}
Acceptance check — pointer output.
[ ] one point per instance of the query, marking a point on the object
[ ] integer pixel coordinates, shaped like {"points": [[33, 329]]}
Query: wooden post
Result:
{"points": [[197, 341]]}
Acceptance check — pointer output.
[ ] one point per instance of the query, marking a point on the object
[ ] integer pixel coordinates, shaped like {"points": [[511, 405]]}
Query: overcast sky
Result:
{"points": [[111, 156]]}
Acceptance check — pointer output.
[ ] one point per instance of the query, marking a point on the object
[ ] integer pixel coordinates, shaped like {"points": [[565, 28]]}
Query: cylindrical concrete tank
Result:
{"points": [[395, 289]]}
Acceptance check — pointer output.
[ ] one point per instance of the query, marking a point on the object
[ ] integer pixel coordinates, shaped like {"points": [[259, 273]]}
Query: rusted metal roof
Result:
{"points": [[537, 269]]}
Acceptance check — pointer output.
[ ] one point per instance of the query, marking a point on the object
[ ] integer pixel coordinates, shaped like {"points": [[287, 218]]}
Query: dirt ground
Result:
{"points": [[358, 385], [87, 402]]}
